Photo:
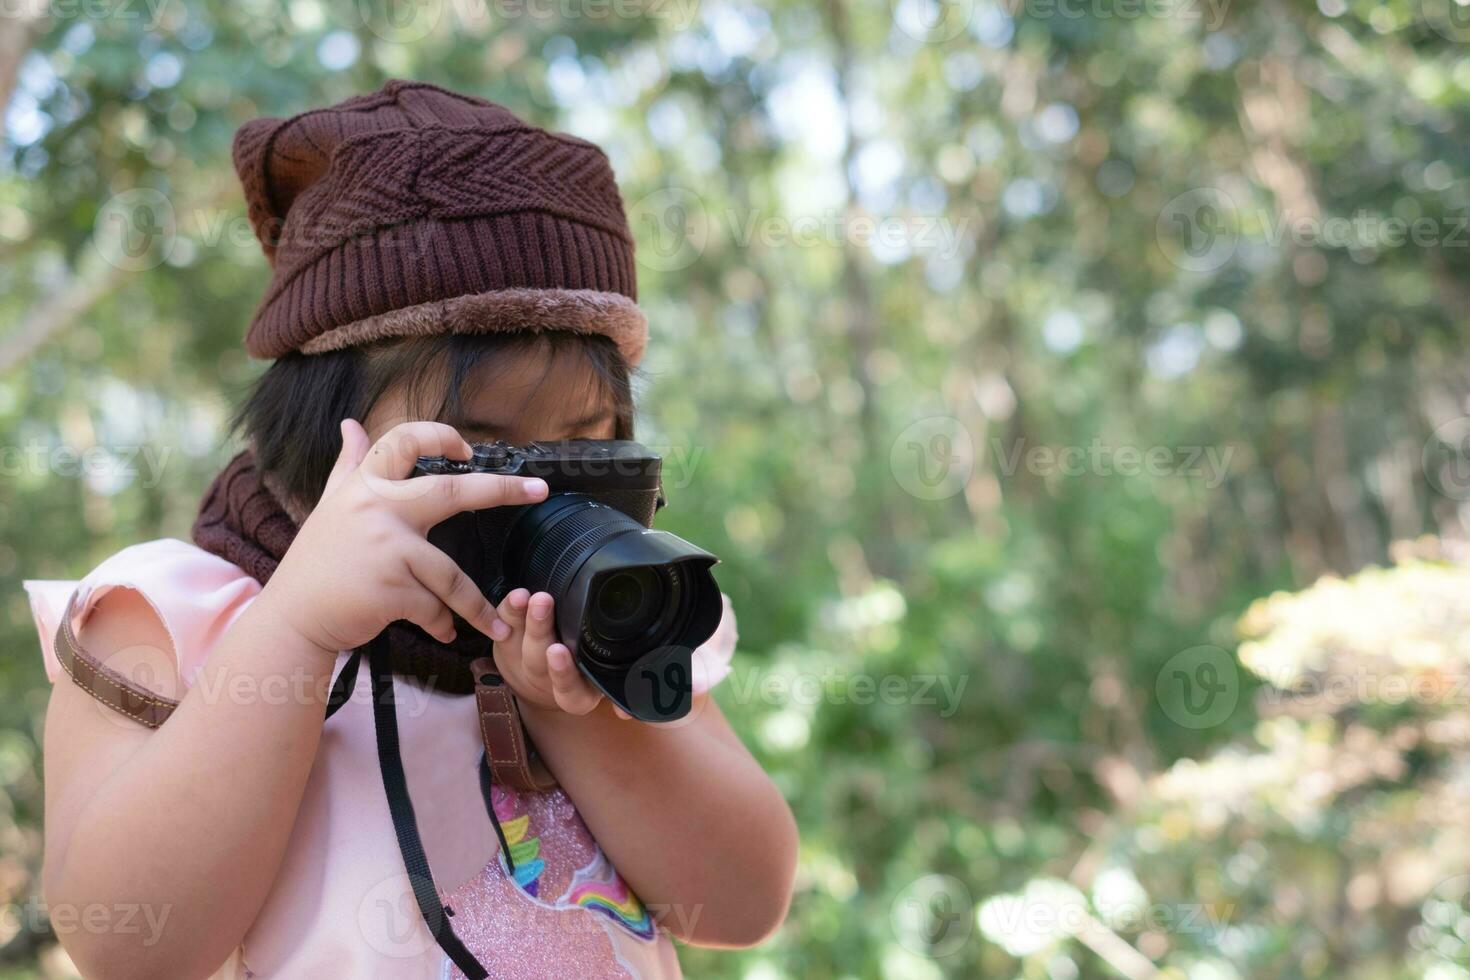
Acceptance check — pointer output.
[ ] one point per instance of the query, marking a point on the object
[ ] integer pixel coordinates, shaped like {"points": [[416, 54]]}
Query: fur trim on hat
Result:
{"points": [[586, 311]]}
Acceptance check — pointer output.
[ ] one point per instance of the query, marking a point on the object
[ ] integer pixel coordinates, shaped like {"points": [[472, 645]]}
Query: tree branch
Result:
{"points": [[58, 311]]}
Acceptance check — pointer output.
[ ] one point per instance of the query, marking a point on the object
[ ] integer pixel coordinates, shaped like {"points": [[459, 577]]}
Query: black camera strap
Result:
{"points": [[345, 683], [395, 786]]}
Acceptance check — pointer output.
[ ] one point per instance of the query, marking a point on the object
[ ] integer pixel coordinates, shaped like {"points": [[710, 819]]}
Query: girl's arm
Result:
{"points": [[687, 816], [179, 831], [685, 813], [185, 827]]}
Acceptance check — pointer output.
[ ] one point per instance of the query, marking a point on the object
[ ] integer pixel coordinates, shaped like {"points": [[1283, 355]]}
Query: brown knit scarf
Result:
{"points": [[243, 522]]}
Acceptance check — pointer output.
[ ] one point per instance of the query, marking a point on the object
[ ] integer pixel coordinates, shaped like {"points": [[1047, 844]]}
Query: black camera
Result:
{"points": [[632, 603]]}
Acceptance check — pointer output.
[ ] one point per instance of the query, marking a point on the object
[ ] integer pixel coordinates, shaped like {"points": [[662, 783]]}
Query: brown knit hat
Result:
{"points": [[416, 211]]}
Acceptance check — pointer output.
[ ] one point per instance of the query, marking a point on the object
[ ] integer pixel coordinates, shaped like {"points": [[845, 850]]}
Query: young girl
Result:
{"points": [[442, 272]]}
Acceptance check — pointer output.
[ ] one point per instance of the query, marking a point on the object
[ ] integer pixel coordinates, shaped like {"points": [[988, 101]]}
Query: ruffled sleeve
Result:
{"points": [[197, 597]]}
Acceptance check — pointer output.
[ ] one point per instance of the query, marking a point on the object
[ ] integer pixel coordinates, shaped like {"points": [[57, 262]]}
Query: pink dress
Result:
{"points": [[342, 905]]}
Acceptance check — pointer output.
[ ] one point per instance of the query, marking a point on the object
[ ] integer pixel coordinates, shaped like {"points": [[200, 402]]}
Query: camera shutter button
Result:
{"points": [[488, 457]]}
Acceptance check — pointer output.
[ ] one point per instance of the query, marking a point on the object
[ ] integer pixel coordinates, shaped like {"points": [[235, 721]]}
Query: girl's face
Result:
{"points": [[519, 397]]}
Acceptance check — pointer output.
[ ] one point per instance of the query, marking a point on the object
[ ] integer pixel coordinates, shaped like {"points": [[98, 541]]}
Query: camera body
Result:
{"points": [[617, 472], [632, 603]]}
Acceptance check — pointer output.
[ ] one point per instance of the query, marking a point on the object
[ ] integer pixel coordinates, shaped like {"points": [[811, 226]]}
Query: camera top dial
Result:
{"points": [[569, 464]]}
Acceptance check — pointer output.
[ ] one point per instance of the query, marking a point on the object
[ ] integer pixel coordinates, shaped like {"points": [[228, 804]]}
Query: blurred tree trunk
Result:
{"points": [[880, 551], [856, 295], [18, 30]]}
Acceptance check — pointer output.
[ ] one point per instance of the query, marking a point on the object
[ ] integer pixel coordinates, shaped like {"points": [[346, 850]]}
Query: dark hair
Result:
{"points": [[293, 413]]}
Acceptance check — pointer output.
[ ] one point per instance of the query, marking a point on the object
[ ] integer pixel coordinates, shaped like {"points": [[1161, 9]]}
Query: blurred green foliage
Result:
{"points": [[1213, 254]]}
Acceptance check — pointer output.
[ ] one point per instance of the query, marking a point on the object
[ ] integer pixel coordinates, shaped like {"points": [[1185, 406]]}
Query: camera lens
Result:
{"points": [[627, 603], [623, 591]]}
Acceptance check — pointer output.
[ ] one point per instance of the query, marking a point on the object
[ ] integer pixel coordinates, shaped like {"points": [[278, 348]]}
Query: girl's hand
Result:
{"points": [[361, 560], [540, 670], [533, 663]]}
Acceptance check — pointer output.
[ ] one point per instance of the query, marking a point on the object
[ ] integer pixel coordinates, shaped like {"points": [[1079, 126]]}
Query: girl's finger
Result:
{"points": [[426, 611], [355, 447], [427, 500], [533, 660], [538, 636], [513, 609], [438, 573], [540, 631], [392, 457], [573, 693]]}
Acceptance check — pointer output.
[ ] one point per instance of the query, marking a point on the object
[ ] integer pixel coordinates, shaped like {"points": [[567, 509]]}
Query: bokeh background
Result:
{"points": [[1075, 389]]}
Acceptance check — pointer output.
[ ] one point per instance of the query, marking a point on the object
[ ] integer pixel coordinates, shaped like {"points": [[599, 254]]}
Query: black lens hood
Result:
{"points": [[657, 686]]}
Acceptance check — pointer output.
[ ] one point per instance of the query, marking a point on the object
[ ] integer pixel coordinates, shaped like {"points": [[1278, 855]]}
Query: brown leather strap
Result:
{"points": [[513, 759], [105, 684]]}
